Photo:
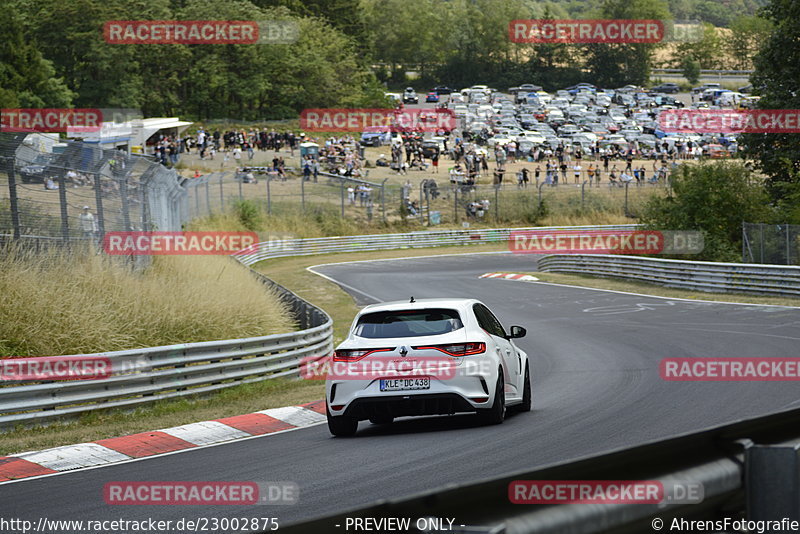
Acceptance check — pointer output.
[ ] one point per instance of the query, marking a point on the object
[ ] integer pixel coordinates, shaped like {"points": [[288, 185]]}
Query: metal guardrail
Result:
{"points": [[424, 239], [697, 275], [706, 71], [739, 467], [146, 375]]}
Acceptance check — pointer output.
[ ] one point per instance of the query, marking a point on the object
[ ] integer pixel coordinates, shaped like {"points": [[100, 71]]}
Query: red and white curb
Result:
{"points": [[167, 440], [511, 276]]}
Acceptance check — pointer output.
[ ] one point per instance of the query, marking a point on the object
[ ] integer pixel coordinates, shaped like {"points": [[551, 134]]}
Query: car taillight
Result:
{"points": [[347, 355], [457, 349]]}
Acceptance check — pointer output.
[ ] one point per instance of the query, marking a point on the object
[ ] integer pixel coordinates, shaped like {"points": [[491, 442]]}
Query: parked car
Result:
{"points": [[376, 138], [667, 87], [35, 171], [701, 88], [443, 90], [530, 88]]}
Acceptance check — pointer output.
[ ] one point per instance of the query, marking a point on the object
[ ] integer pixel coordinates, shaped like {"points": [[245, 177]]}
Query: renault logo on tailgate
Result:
{"points": [[403, 351]]}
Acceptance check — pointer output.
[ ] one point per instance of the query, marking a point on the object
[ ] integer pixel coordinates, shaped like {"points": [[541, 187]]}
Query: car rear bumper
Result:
{"points": [[409, 405]]}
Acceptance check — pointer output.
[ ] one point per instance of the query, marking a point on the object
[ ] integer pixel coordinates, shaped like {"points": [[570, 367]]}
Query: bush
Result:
{"points": [[714, 198], [249, 214], [691, 70]]}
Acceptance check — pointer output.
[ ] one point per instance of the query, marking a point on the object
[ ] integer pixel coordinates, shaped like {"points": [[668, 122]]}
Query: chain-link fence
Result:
{"points": [[66, 191], [285, 192], [777, 244]]}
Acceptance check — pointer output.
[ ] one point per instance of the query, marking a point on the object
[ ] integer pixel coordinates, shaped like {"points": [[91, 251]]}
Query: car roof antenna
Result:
{"points": [[412, 301]]}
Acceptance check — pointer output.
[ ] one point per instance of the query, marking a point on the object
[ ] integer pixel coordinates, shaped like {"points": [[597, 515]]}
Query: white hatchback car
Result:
{"points": [[426, 357]]}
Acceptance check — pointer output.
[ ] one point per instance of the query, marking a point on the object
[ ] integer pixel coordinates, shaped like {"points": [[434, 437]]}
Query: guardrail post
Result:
{"points": [[269, 198], [540, 195], [626, 199], [428, 202], [455, 205], [497, 202], [772, 477], [342, 188], [12, 195], [303, 193], [126, 214], [62, 200], [208, 196], [221, 194], [383, 199], [421, 190], [583, 187], [101, 219]]}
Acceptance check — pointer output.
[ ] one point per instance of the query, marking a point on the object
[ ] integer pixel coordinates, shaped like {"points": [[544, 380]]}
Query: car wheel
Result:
{"points": [[497, 413], [381, 419], [342, 425]]}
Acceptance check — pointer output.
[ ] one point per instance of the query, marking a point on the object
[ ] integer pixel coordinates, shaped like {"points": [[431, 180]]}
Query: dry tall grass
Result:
{"points": [[59, 303]]}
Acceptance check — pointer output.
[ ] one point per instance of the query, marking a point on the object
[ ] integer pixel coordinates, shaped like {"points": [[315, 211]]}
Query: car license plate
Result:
{"points": [[404, 384]]}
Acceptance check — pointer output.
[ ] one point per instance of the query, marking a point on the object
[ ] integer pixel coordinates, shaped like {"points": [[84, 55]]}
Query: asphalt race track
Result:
{"points": [[596, 388]]}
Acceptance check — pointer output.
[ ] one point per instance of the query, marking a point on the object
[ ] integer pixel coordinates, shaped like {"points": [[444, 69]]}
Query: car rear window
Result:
{"points": [[410, 323]]}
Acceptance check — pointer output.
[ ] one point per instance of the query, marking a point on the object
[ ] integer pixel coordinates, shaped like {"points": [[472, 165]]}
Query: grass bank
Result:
{"points": [[56, 303]]}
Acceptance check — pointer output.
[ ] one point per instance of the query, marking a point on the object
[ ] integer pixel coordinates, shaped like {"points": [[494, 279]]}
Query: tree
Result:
{"points": [[690, 69], [777, 71], [26, 78], [714, 198], [747, 34], [614, 65], [707, 51]]}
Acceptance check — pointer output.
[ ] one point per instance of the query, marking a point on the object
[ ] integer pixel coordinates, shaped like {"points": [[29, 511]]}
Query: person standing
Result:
{"points": [[88, 222]]}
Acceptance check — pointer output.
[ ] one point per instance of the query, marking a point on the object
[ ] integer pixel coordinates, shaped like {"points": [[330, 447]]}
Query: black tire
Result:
{"points": [[342, 425], [497, 413], [526, 393], [381, 419]]}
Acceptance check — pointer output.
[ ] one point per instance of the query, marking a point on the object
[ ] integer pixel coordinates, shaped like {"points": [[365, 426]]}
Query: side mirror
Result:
{"points": [[517, 331]]}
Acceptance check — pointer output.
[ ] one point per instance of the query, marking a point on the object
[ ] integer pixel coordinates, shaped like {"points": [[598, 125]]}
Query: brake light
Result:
{"points": [[355, 355], [457, 349]]}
